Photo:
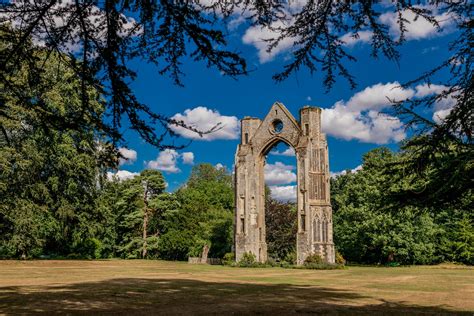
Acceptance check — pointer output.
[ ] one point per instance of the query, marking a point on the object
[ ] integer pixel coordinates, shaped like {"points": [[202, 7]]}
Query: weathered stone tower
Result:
{"points": [[313, 200]]}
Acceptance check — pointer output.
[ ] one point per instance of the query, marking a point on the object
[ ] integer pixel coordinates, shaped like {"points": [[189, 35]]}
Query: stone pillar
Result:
{"points": [[318, 193]]}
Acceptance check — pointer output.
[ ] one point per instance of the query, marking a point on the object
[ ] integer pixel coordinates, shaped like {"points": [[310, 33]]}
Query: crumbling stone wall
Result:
{"points": [[313, 200]]}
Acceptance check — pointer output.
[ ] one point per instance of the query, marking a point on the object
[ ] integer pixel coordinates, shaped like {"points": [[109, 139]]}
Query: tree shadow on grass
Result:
{"points": [[176, 296]]}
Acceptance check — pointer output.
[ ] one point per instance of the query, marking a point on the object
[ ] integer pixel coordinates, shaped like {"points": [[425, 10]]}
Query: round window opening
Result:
{"points": [[277, 126]]}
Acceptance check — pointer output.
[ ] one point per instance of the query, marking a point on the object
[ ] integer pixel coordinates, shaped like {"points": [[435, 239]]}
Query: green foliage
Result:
{"points": [[313, 259], [248, 259], [414, 207], [340, 259], [179, 224], [281, 228], [373, 225], [49, 177], [91, 248], [129, 200], [175, 245], [290, 258], [321, 266], [204, 216], [228, 259]]}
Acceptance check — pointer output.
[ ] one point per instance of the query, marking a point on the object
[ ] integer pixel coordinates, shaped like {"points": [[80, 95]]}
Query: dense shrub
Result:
{"points": [[91, 248], [321, 266], [229, 259], [313, 259], [248, 260], [290, 258], [340, 259]]}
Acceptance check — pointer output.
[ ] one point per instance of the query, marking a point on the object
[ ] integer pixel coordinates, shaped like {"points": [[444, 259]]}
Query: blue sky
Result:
{"points": [[351, 118]]}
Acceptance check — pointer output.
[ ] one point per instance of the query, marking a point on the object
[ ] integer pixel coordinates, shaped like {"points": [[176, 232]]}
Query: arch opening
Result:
{"points": [[277, 143], [281, 215]]}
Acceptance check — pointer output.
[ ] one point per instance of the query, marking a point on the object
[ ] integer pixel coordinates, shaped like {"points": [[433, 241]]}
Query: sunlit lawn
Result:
{"points": [[159, 287]]}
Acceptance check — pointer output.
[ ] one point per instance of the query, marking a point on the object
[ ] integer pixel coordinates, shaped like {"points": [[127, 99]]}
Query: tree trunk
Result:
{"points": [[145, 227], [145, 220]]}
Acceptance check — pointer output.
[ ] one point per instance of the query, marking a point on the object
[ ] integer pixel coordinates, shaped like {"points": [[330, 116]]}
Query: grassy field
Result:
{"points": [[159, 287]]}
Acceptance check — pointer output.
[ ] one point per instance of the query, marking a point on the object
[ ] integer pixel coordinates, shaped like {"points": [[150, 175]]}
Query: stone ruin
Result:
{"points": [[315, 230]]}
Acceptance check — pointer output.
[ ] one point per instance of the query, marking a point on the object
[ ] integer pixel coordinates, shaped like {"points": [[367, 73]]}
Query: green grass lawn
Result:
{"points": [[160, 287]]}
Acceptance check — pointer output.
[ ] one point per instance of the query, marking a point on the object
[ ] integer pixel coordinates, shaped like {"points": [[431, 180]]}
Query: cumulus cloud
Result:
{"points": [[257, 36], [279, 173], [418, 28], [188, 158], [360, 117], [289, 152], [129, 156], [378, 96], [424, 90], [166, 161], [338, 173], [205, 119], [284, 193], [121, 175], [442, 107], [219, 166]]}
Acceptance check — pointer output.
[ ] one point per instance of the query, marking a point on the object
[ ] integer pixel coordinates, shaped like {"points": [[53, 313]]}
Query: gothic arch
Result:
{"points": [[257, 138]]}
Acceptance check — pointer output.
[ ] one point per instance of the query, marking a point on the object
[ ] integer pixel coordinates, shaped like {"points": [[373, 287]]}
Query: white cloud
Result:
{"points": [[289, 152], [362, 37], [279, 173], [205, 119], [219, 166], [418, 28], [372, 127], [338, 173], [440, 114], [166, 161], [129, 156], [442, 107], [121, 175], [360, 118], [284, 193], [188, 158], [378, 96], [57, 17], [257, 36], [236, 22], [424, 90]]}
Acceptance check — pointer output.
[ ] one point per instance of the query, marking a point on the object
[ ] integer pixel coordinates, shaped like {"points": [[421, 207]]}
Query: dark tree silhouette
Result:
{"points": [[102, 40]]}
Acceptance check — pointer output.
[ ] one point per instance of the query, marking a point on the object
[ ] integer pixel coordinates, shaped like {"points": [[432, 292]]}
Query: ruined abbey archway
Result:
{"points": [[313, 200]]}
